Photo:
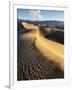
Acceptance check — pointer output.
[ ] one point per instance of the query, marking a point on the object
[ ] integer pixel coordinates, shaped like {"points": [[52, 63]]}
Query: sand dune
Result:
{"points": [[29, 26], [31, 64], [52, 50]]}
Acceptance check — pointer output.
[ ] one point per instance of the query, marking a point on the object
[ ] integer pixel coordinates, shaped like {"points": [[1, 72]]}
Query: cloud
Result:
{"points": [[35, 15]]}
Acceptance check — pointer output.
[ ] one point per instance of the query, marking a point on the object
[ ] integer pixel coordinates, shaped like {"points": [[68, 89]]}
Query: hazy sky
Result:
{"points": [[32, 14]]}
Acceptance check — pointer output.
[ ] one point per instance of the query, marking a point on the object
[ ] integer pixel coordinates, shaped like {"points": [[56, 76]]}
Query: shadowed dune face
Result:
{"points": [[57, 36], [36, 55]]}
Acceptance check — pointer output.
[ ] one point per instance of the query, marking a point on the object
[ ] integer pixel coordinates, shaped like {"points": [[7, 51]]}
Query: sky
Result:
{"points": [[34, 14]]}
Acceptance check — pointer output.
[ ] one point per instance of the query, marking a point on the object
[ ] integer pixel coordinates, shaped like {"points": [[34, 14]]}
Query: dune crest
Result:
{"points": [[29, 26]]}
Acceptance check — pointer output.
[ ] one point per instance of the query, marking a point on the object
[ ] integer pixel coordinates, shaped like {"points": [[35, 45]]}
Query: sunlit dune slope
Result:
{"points": [[50, 49], [29, 26]]}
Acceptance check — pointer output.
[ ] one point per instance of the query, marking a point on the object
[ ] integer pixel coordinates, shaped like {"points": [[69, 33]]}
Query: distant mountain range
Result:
{"points": [[57, 24]]}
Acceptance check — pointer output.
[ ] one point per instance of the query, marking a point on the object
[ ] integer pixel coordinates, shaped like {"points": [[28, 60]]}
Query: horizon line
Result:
{"points": [[40, 20]]}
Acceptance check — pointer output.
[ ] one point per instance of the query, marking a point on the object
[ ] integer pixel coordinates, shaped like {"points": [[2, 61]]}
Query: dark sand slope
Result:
{"points": [[31, 64], [56, 36]]}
